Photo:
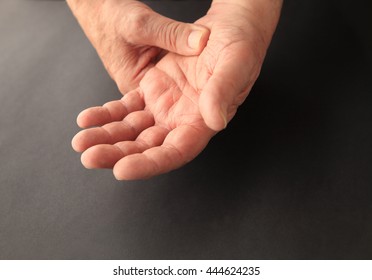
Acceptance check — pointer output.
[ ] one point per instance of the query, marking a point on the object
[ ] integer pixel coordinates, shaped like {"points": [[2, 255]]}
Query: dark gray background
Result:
{"points": [[291, 177]]}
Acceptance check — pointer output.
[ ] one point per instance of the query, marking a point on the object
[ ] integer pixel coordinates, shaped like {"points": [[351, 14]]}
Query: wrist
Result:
{"points": [[76, 5], [87, 13], [263, 15], [84, 10]]}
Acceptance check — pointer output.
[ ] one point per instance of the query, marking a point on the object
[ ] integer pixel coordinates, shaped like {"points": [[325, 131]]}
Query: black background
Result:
{"points": [[290, 178]]}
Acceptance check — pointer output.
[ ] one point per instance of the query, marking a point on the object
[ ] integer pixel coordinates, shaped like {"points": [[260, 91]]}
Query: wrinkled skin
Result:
{"points": [[181, 101], [130, 38]]}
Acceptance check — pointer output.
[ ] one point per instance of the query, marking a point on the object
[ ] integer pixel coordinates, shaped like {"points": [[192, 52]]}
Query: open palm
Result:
{"points": [[180, 104]]}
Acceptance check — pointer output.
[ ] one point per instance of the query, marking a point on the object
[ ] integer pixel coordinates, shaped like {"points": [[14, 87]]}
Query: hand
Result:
{"points": [[129, 37], [180, 104]]}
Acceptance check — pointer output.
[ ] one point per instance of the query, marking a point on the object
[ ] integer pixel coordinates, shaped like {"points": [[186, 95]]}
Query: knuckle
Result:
{"points": [[136, 24]]}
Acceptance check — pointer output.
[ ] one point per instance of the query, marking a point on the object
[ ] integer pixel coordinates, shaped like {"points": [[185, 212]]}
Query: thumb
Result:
{"points": [[214, 103], [152, 29], [221, 96], [228, 86]]}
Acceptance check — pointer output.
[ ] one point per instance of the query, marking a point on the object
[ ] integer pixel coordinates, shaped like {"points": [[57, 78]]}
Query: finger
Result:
{"points": [[114, 132], [180, 146], [111, 111], [214, 101], [146, 27], [105, 156], [101, 156]]}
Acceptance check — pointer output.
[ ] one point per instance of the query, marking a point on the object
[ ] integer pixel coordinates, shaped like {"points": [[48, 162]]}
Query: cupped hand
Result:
{"points": [[180, 104]]}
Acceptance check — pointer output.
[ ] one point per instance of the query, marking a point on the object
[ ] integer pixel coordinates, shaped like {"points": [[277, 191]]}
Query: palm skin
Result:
{"points": [[180, 104]]}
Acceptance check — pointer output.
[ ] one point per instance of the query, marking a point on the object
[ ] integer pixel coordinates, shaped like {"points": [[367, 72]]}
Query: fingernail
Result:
{"points": [[224, 118], [194, 39]]}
